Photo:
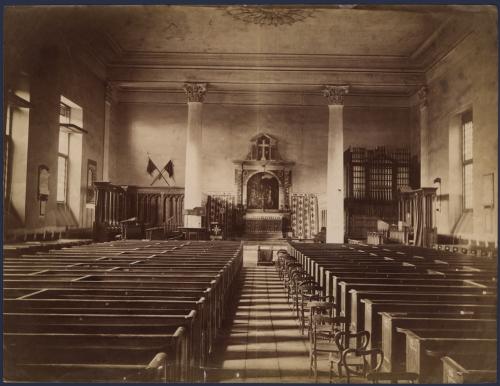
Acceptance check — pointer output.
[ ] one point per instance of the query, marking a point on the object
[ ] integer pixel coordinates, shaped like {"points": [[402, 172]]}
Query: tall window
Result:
{"points": [[62, 166], [69, 160], [467, 158], [7, 149]]}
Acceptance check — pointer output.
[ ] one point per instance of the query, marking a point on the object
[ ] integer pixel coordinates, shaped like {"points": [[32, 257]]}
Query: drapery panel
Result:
{"points": [[304, 215]]}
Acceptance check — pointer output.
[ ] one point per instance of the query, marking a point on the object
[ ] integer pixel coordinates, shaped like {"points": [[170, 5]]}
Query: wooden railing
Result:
{"points": [[161, 232], [150, 206]]}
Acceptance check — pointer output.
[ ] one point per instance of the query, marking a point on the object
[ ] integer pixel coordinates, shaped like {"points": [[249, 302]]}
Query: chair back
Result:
{"points": [[343, 339], [357, 362]]}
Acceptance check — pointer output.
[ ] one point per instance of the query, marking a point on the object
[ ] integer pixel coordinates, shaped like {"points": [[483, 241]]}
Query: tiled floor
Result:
{"points": [[263, 343]]}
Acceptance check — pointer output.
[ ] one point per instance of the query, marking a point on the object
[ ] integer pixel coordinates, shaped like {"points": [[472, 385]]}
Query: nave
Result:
{"points": [[262, 343]]}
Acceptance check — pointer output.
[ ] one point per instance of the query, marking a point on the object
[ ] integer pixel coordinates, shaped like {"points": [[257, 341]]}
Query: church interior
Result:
{"points": [[263, 194]]}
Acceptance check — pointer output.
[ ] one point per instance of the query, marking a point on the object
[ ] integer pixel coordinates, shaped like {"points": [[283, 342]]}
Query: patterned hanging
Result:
{"points": [[304, 215]]}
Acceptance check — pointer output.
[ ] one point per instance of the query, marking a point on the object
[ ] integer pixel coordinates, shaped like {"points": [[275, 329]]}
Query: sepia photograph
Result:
{"points": [[260, 193]]}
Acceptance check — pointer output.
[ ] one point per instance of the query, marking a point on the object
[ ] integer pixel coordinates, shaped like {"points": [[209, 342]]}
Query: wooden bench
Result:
{"points": [[433, 287], [358, 308], [429, 367], [88, 357], [373, 320], [123, 289], [346, 300], [478, 367], [393, 344]]}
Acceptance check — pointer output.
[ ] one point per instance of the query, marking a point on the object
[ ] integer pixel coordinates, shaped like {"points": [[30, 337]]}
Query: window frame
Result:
{"points": [[467, 118], [66, 167], [7, 155]]}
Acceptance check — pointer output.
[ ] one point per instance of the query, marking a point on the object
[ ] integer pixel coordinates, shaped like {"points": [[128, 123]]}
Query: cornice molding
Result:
{"points": [[89, 59], [131, 59], [441, 42], [248, 79], [217, 97]]}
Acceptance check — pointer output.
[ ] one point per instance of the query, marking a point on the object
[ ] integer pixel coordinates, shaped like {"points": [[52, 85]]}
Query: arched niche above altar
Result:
{"points": [[254, 175]]}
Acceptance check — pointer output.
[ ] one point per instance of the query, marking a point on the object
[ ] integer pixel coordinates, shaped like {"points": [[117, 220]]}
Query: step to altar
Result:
{"points": [[259, 236]]}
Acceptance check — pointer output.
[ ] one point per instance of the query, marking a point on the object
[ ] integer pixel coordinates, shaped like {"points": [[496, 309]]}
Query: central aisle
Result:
{"points": [[263, 343]]}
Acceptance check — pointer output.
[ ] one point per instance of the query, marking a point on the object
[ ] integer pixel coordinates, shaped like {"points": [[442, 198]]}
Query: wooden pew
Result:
{"points": [[401, 278], [373, 320], [358, 308], [477, 367], [119, 283], [430, 286], [393, 344], [111, 323], [420, 341], [88, 357]]}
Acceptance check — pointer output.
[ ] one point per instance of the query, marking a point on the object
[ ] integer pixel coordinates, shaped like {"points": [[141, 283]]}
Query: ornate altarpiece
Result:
{"points": [[263, 181]]}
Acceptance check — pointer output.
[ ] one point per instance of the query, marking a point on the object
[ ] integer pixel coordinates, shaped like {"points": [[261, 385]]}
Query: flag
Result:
{"points": [[151, 167], [169, 167]]}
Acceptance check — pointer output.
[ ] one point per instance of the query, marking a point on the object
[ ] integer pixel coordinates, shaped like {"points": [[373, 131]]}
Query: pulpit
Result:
{"points": [[416, 211]]}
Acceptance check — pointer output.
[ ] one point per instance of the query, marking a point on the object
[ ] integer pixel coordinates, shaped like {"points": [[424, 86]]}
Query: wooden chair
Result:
{"points": [[358, 362], [298, 277], [288, 269], [308, 291], [343, 341], [282, 257], [322, 338], [320, 307]]}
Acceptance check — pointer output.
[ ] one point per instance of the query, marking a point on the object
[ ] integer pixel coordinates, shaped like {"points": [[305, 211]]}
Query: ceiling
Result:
{"points": [[127, 39], [214, 30]]}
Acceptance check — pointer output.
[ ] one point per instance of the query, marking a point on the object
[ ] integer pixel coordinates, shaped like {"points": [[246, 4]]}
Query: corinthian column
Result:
{"points": [[192, 199], [424, 138], [335, 171]]}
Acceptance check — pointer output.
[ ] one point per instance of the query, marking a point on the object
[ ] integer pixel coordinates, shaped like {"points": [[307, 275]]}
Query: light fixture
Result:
{"points": [[268, 15]]}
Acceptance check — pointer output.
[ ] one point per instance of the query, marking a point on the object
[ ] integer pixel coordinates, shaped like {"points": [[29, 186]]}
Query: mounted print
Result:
{"points": [[43, 188], [91, 179]]}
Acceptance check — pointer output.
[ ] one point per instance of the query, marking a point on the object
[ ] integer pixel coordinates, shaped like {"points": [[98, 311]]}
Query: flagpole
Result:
{"points": [[164, 178], [158, 177]]}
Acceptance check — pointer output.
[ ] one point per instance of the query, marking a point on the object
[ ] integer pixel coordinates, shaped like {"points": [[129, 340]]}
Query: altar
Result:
{"points": [[263, 225], [263, 181]]}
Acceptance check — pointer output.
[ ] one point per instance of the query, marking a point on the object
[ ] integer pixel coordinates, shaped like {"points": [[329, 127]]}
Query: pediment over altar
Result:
{"points": [[263, 150]]}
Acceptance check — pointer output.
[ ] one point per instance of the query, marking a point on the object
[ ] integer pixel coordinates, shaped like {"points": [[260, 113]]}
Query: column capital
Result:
{"points": [[110, 94], [422, 96], [195, 91], [335, 94]]}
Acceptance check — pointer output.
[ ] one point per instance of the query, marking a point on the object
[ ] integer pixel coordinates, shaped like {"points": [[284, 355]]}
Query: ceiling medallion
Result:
{"points": [[269, 15]]}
